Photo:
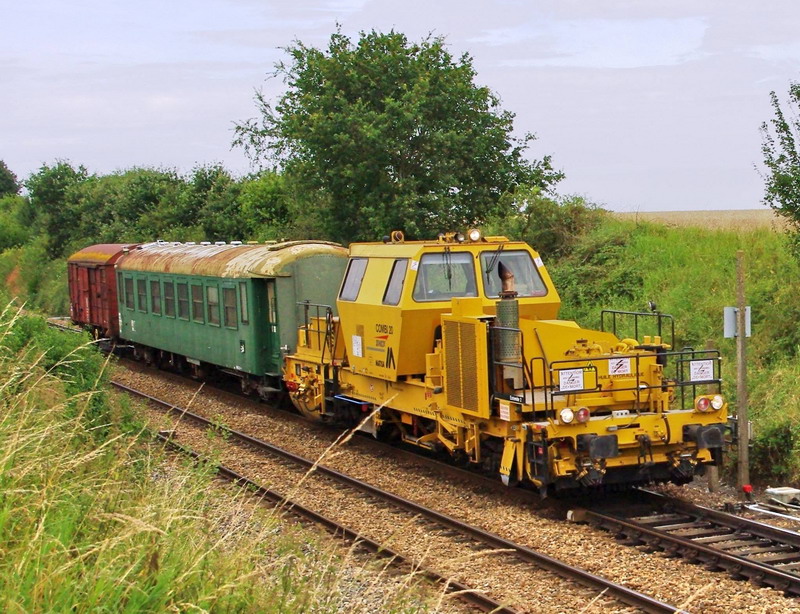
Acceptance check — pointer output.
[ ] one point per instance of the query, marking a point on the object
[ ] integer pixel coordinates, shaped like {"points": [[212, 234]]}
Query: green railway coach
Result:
{"points": [[232, 306]]}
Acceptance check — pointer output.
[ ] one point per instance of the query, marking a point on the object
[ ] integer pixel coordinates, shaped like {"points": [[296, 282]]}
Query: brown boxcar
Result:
{"points": [[93, 288]]}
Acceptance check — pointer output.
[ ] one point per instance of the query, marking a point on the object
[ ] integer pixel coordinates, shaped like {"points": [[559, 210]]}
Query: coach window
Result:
{"points": [[395, 286], [129, 293], [120, 285], [243, 302], [197, 303], [212, 298], [229, 304], [169, 299], [353, 279], [183, 301], [155, 297], [141, 290]]}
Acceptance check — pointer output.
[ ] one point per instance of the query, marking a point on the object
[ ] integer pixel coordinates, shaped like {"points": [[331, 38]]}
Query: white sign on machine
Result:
{"points": [[358, 348], [701, 370], [570, 379]]}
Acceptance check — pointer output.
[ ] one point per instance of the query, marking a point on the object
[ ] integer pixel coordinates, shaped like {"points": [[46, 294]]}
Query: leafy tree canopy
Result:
{"points": [[782, 157], [385, 133], [50, 203], [8, 181]]}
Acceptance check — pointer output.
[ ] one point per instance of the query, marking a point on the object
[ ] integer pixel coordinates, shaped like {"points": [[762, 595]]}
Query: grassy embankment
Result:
{"points": [[690, 272], [95, 517]]}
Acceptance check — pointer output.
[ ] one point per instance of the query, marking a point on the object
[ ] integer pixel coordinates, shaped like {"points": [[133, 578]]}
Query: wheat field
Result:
{"points": [[730, 219]]}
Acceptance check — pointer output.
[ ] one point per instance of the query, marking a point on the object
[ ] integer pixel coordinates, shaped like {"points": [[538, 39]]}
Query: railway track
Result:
{"points": [[782, 580], [744, 548], [432, 521]]}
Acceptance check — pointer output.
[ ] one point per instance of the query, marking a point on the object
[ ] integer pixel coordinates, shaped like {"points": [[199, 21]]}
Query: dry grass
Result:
{"points": [[732, 219]]}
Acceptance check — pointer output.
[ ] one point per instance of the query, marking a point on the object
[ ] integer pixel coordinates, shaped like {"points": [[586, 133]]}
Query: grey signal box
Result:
{"points": [[729, 318]]}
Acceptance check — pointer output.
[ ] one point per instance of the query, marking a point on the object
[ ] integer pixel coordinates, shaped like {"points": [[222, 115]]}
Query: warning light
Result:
{"points": [[747, 489]]}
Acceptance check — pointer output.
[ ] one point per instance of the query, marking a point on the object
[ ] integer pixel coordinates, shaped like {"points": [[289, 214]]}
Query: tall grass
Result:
{"points": [[94, 520]]}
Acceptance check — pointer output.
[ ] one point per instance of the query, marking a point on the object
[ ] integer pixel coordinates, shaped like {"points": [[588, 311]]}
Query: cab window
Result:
{"points": [[395, 285], [445, 275], [527, 281], [353, 279]]}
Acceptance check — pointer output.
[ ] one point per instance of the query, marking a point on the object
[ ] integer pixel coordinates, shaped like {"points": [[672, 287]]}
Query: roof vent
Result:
{"points": [[219, 242], [205, 242], [190, 243], [270, 242], [236, 242]]}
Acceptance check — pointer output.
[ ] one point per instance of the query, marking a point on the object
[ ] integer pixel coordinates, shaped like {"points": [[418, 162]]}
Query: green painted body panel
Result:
{"points": [[253, 346]]}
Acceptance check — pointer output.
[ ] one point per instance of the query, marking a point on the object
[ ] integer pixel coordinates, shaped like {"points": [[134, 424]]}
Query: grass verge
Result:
{"points": [[93, 518]]}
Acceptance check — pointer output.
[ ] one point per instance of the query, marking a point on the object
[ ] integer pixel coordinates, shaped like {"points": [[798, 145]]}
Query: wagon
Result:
{"points": [[92, 291], [232, 307]]}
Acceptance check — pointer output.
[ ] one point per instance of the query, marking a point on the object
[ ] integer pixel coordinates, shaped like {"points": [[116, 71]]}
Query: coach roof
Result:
{"points": [[225, 260], [102, 253]]}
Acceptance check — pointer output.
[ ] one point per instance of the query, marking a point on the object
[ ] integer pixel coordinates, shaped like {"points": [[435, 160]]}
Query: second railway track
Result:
{"points": [[743, 547]]}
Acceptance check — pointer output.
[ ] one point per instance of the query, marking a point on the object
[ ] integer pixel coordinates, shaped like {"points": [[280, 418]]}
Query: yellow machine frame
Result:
{"points": [[449, 362]]}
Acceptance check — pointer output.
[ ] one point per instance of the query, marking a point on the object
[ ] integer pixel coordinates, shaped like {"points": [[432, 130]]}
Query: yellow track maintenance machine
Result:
{"points": [[453, 345]]}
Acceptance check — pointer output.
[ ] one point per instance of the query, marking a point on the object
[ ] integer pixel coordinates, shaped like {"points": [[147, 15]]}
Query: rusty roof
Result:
{"points": [[226, 260], [103, 253]]}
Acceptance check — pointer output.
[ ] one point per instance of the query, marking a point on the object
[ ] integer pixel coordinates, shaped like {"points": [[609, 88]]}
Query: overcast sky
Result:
{"points": [[644, 106]]}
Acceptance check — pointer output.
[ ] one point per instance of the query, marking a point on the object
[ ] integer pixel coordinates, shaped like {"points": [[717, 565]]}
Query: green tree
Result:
{"points": [[52, 203], [385, 133], [551, 225], [8, 181], [779, 146], [266, 205]]}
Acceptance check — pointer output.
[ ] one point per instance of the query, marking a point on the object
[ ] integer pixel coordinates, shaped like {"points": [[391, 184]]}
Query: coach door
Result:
{"points": [[273, 338], [84, 294]]}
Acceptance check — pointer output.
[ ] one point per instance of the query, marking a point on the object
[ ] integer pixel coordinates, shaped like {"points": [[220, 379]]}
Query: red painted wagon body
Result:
{"points": [[93, 287]]}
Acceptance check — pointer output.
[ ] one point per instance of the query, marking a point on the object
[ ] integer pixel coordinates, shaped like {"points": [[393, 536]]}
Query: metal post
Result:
{"points": [[741, 376]]}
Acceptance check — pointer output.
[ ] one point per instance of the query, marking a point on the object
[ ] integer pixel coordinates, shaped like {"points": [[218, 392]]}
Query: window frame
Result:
{"points": [[141, 297], [438, 298], [183, 301], [197, 317], [230, 291], [396, 282], [244, 305], [213, 306], [130, 302], [347, 282], [169, 299], [488, 254], [155, 297]]}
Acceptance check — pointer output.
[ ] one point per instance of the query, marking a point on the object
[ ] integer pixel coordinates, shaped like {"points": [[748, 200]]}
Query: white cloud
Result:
{"points": [[602, 43], [780, 52]]}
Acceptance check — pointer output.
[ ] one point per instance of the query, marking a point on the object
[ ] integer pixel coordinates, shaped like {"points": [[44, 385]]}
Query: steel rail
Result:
{"points": [[737, 523], [463, 592], [617, 591], [713, 558]]}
